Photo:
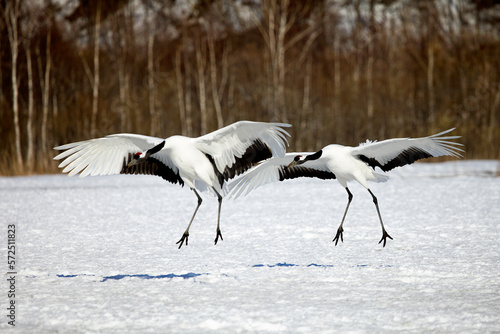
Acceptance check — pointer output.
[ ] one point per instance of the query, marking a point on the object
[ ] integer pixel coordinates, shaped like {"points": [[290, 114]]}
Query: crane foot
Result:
{"points": [[385, 235], [184, 238], [217, 236], [340, 234]]}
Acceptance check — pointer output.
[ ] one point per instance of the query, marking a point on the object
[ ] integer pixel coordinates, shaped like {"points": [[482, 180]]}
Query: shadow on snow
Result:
{"points": [[193, 275], [141, 276]]}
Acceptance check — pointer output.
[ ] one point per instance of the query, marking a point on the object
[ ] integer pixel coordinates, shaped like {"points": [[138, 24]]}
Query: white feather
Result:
{"points": [[386, 150], [233, 140], [102, 156], [269, 171]]}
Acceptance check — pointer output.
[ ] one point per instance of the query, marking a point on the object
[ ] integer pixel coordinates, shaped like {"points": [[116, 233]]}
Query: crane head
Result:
{"points": [[142, 156], [137, 158], [296, 161]]}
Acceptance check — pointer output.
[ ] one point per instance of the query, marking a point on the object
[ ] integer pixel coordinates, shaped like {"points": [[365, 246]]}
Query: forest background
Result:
{"points": [[340, 71]]}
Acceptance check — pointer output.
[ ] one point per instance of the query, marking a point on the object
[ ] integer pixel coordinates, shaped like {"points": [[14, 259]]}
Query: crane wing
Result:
{"points": [[239, 146], [111, 154], [275, 169], [391, 153]]}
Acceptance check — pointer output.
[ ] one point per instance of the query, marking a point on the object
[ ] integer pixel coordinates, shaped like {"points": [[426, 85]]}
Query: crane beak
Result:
{"points": [[133, 162], [138, 160], [291, 164]]}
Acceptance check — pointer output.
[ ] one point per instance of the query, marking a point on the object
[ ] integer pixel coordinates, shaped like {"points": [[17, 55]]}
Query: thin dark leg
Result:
{"points": [[218, 234], [385, 235], [340, 230], [186, 233]]}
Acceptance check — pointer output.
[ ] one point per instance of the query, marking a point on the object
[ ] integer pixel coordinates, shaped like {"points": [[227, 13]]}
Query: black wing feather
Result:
{"points": [[301, 171], [151, 166], [255, 153], [406, 157]]}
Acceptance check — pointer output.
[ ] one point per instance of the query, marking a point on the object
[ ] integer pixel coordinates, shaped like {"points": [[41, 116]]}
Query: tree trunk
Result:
{"points": [[95, 84], [123, 89], [154, 119], [187, 75], [2, 97], [430, 84], [339, 124], [45, 86], [369, 91], [11, 18], [306, 101], [494, 110], [180, 90], [280, 59], [200, 65], [273, 68], [121, 44], [230, 94], [213, 76], [276, 18], [30, 155], [430, 70]]}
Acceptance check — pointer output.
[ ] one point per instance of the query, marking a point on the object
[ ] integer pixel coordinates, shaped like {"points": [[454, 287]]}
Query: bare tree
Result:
{"points": [[200, 50], [337, 106], [431, 32], [370, 103], [213, 73], [121, 24], [45, 85], [495, 107], [276, 33], [180, 89], [278, 19], [30, 149], [188, 104], [306, 105], [273, 30], [2, 97], [11, 14], [153, 113], [96, 74]]}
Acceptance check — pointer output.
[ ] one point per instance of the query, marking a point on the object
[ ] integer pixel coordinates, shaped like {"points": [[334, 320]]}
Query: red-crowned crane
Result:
{"points": [[346, 163], [203, 163]]}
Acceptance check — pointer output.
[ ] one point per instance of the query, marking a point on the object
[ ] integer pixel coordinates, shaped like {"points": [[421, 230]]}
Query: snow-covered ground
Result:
{"points": [[98, 255]]}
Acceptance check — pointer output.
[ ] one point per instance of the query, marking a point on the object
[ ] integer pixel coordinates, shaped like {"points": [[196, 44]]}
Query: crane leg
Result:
{"points": [[385, 235], [186, 233], [217, 233], [340, 230]]}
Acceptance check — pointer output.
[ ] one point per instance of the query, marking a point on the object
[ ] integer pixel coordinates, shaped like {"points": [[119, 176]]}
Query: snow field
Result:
{"points": [[98, 255]]}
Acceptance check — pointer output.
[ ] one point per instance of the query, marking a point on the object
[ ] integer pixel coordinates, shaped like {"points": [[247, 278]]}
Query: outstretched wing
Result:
{"points": [[391, 153], [275, 169], [111, 155], [239, 146]]}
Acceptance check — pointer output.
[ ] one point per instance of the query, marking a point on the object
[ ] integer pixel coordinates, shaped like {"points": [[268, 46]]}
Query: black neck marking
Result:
{"points": [[220, 176], [314, 156], [155, 149]]}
